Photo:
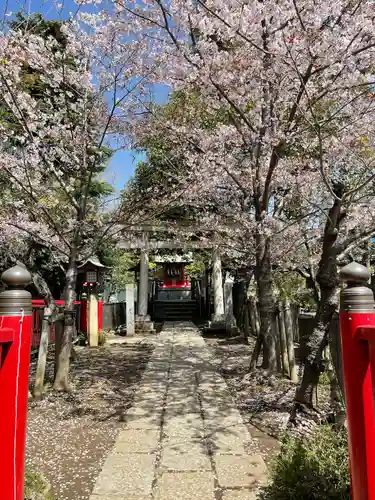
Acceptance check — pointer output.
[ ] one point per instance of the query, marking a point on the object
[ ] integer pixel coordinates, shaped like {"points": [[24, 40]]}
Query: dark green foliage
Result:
{"points": [[36, 255], [315, 470], [120, 262], [36, 24], [36, 487]]}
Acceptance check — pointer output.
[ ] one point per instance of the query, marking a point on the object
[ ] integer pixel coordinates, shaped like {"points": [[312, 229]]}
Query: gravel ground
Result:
{"points": [[69, 435], [265, 403]]}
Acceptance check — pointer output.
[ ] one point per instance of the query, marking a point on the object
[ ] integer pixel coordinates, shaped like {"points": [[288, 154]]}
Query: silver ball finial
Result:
{"points": [[15, 300], [355, 274], [357, 297], [16, 277]]}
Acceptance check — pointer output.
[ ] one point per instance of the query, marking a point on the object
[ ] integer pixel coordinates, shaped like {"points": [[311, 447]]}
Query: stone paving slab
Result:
{"points": [[189, 404], [229, 441], [179, 389], [158, 367], [127, 475], [185, 456], [185, 486], [182, 421], [217, 420], [137, 441], [150, 394], [239, 495], [182, 411], [144, 418], [153, 376], [190, 425], [120, 497], [182, 380], [243, 471], [182, 445]]}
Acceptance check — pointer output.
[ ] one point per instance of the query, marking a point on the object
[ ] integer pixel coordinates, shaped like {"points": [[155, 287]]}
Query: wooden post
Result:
{"points": [[59, 329], [295, 310], [93, 333], [290, 342], [246, 320], [275, 333], [283, 344], [253, 317], [130, 317], [42, 355]]}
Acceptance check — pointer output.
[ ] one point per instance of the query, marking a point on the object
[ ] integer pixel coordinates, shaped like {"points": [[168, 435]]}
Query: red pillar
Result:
{"points": [[100, 315], [83, 316], [357, 327], [15, 342]]}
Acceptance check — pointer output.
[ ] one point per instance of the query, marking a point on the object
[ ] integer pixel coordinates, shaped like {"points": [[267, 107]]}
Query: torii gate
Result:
{"points": [[223, 302]]}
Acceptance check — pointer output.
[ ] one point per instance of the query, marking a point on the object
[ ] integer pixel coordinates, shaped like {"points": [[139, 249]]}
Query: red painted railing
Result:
{"points": [[37, 319], [80, 319]]}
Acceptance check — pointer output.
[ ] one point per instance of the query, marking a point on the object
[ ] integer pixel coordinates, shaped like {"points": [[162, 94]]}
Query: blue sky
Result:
{"points": [[123, 163]]}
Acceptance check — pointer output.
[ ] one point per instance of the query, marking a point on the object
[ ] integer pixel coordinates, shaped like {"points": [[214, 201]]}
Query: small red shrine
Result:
{"points": [[174, 275]]}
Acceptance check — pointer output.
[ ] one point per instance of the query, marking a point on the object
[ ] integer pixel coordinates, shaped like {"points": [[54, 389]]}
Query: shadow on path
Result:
{"points": [[69, 435]]}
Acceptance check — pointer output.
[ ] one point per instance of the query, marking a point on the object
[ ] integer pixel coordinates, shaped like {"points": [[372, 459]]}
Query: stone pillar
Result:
{"points": [[230, 320], [217, 284], [143, 322], [130, 319], [143, 286], [93, 333], [228, 296]]}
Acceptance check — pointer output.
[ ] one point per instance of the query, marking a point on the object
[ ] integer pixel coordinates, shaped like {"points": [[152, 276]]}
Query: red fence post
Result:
{"points": [[83, 314], [357, 314], [100, 315], [15, 342]]}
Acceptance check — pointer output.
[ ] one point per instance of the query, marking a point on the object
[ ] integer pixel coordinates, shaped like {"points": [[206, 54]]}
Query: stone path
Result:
{"points": [[184, 438]]}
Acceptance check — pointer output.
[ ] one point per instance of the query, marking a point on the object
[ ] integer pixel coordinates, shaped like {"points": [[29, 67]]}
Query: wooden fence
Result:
{"points": [[290, 327]]}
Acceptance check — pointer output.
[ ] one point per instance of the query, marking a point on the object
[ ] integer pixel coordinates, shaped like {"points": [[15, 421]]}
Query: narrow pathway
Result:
{"points": [[184, 438]]}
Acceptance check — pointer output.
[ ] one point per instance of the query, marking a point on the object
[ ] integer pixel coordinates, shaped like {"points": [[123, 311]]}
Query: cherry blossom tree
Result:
{"points": [[294, 77], [54, 146]]}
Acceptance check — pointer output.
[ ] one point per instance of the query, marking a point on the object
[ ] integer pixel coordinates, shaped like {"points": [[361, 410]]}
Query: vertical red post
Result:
{"points": [[100, 315], [357, 312], [84, 315], [15, 338]]}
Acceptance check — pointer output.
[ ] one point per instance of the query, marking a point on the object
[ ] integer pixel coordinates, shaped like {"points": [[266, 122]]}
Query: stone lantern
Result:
{"points": [[90, 274]]}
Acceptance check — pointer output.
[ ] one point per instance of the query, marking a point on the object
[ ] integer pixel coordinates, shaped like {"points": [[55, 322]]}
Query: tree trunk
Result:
{"points": [[50, 316], [336, 398], [283, 343], [335, 352], [63, 354], [289, 335], [253, 313], [263, 275], [316, 344], [256, 353], [42, 356], [327, 278], [44, 291]]}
